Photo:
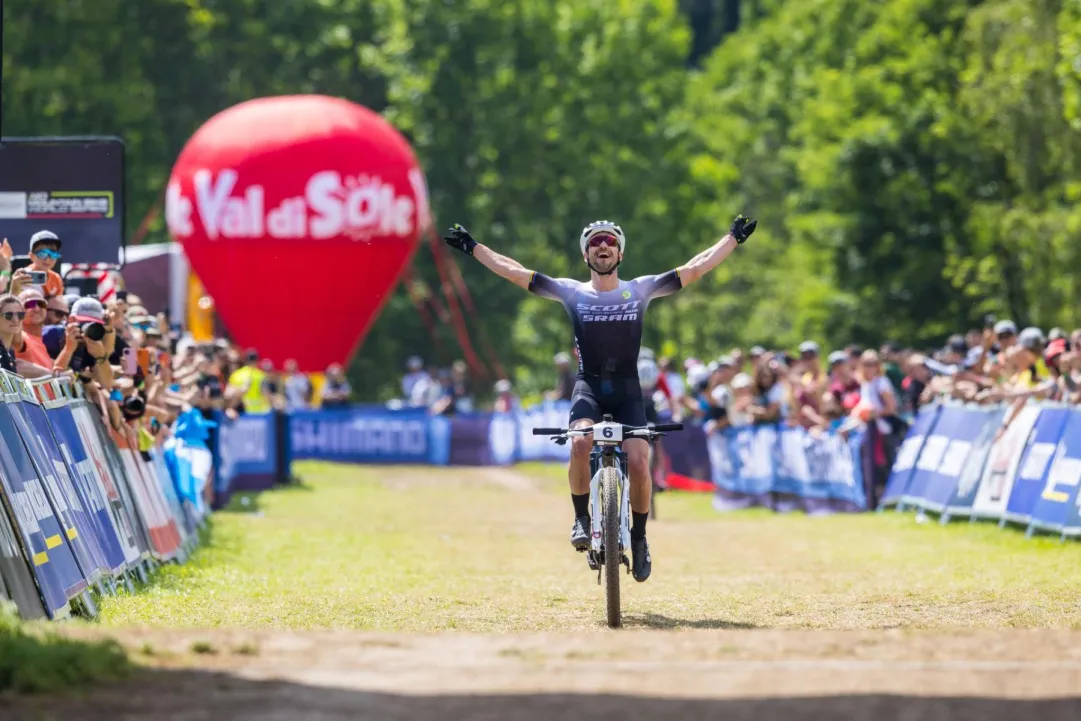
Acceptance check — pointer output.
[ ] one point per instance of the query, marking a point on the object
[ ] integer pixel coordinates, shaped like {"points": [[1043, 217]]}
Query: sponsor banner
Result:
{"points": [[1056, 509], [147, 499], [997, 480], [37, 434], [171, 535], [71, 186], [904, 466], [16, 582], [471, 437], [88, 486], [1035, 463], [742, 462], [159, 471], [355, 435], [107, 442], [823, 470], [110, 486], [943, 457], [247, 452], [549, 414], [41, 533], [968, 483]]}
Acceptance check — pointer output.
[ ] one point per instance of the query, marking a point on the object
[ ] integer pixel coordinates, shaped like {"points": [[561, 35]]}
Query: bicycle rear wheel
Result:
{"points": [[612, 552]]}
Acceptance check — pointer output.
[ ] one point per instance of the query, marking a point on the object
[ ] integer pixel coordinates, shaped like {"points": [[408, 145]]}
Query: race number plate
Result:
{"points": [[607, 433]]}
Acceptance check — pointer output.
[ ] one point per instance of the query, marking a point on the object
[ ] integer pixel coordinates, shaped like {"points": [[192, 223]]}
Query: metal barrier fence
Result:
{"points": [[85, 508]]}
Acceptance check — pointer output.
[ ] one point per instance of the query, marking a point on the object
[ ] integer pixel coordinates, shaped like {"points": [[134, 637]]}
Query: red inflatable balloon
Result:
{"points": [[298, 214]]}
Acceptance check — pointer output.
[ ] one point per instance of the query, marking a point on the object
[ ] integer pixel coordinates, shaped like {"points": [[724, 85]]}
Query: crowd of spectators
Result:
{"points": [[887, 385], [134, 364], [878, 389]]}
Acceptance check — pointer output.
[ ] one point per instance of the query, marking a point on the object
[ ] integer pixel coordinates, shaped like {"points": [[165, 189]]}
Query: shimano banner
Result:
{"points": [[368, 435], [71, 186]]}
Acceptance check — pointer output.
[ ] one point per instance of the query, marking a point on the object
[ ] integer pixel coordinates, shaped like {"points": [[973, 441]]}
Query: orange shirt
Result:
{"points": [[33, 350]]}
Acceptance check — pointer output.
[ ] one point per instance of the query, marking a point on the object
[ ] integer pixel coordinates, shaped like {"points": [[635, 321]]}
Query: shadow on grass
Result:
{"points": [[168, 694], [656, 620], [33, 659]]}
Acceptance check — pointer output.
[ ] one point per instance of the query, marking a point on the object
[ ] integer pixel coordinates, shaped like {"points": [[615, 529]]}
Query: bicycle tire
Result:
{"points": [[612, 552]]}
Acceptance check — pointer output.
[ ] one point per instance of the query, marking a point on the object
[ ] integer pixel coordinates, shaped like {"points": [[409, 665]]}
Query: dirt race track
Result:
{"points": [[936, 653], [733, 675]]}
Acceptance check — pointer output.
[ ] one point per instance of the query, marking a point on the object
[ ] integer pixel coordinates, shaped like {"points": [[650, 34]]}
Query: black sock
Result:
{"points": [[638, 525], [581, 504]]}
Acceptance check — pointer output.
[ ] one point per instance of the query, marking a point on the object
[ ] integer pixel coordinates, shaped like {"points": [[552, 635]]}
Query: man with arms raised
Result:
{"points": [[607, 315]]}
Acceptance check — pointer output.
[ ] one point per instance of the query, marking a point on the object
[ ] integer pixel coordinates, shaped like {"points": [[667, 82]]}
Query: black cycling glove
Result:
{"points": [[460, 239], [742, 229]]}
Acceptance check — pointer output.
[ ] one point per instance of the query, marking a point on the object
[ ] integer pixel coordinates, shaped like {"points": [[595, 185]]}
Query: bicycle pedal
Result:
{"points": [[593, 565]]}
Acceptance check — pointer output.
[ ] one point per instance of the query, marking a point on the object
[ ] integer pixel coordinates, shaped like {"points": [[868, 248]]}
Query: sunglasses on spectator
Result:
{"points": [[12, 315], [57, 311], [31, 304], [47, 254], [598, 240]]}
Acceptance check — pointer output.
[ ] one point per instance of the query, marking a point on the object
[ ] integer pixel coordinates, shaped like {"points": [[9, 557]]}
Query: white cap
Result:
{"points": [[742, 380]]}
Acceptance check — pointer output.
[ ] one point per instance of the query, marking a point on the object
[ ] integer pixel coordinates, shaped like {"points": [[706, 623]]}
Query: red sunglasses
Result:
{"points": [[31, 304], [599, 240]]}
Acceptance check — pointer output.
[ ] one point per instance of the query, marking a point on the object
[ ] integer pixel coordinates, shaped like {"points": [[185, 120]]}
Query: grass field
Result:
{"points": [[452, 593], [434, 549]]}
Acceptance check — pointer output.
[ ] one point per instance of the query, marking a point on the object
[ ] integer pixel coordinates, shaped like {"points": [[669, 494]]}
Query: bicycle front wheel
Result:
{"points": [[612, 551]]}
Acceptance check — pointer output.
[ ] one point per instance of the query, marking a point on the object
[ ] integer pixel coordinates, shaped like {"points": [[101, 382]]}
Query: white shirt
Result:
{"points": [[675, 384], [425, 391], [873, 392]]}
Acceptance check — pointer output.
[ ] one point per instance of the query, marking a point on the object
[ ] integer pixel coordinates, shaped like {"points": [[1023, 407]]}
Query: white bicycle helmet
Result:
{"points": [[602, 226]]}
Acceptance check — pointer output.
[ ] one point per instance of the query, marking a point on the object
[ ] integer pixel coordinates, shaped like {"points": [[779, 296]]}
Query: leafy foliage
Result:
{"points": [[914, 163]]}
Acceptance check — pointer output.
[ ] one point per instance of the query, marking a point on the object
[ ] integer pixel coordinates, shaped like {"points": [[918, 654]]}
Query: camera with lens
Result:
{"points": [[133, 407], [93, 330]]}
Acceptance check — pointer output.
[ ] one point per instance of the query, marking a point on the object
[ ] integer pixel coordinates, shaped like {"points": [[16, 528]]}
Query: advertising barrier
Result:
{"points": [[81, 507], [976, 462], [763, 465]]}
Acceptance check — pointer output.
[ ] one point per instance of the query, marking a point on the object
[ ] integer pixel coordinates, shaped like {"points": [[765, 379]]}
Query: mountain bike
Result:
{"points": [[609, 500]]}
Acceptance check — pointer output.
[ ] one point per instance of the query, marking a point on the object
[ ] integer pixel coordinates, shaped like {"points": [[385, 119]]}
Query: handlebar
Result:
{"points": [[632, 431]]}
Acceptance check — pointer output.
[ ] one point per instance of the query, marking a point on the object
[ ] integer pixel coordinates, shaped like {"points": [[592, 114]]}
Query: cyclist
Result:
{"points": [[606, 314]]}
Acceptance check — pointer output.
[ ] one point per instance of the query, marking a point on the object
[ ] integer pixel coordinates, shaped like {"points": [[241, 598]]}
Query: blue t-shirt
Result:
{"points": [[53, 336]]}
